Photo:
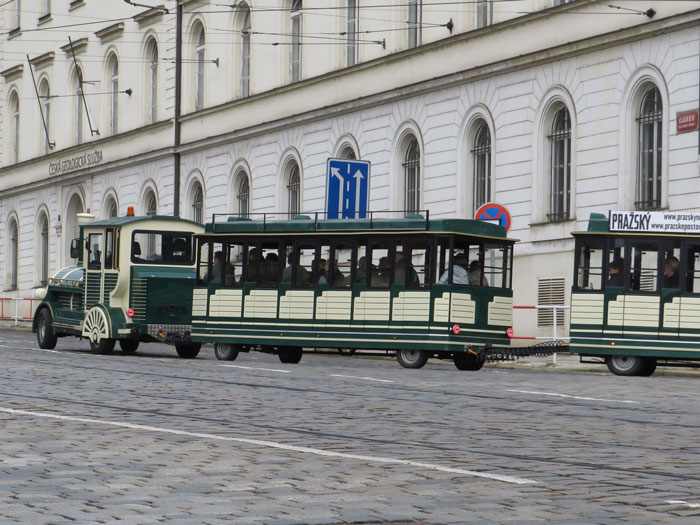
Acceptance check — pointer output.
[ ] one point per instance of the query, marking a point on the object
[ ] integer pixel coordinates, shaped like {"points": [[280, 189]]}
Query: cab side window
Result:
{"points": [[589, 265], [94, 251]]}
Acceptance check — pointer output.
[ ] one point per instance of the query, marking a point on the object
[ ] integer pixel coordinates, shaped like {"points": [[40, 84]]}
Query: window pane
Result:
{"points": [[644, 269], [589, 263]]}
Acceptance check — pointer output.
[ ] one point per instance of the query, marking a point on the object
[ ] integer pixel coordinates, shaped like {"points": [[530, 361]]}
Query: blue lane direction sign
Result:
{"points": [[348, 189]]}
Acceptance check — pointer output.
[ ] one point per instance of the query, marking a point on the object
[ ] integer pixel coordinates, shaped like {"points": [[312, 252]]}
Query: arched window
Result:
{"points": [[78, 86], [297, 28], [351, 28], [113, 69], [348, 153], [560, 166], [14, 254], [14, 126], [44, 250], [197, 203], [245, 51], [199, 72], [45, 99], [414, 23], [243, 196], [481, 153], [411, 170], [650, 147], [151, 204], [111, 208], [153, 82], [294, 190]]}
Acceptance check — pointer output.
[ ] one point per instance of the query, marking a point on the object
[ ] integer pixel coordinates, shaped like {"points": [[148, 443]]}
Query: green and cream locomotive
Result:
{"points": [[132, 283]]}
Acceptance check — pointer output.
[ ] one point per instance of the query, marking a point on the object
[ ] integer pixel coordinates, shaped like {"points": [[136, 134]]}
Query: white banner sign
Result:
{"points": [[654, 222]]}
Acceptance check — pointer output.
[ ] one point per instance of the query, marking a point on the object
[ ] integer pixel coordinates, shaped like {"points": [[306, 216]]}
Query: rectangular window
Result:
{"points": [[110, 260], [296, 41], [380, 261], [671, 278], [299, 265], [692, 276], [340, 263], [352, 24], [551, 292], [18, 14], [94, 251], [589, 265], [644, 270], [414, 22], [483, 13]]}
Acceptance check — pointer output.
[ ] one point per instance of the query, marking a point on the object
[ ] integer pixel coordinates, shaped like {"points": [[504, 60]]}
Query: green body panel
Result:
{"points": [[162, 295]]}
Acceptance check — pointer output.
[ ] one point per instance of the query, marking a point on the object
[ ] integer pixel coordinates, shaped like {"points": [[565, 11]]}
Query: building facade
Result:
{"points": [[554, 109]]}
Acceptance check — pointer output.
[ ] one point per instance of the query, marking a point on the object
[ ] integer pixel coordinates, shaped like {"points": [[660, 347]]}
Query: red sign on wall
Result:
{"points": [[687, 121]]}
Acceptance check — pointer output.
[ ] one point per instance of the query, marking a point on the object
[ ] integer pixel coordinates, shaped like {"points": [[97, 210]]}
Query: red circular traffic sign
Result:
{"points": [[492, 211]]}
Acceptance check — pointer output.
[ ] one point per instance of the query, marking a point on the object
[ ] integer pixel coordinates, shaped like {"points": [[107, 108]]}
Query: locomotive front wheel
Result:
{"points": [[412, 358], [189, 351], [226, 352], [630, 365], [44, 333], [128, 346]]}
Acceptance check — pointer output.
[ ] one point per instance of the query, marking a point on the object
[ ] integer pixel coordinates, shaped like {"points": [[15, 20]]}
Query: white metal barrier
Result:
{"points": [[555, 338], [6, 308]]}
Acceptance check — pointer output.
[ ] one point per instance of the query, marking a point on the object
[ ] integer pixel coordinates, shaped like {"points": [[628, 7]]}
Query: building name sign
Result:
{"points": [[78, 162], [654, 222], [687, 121]]}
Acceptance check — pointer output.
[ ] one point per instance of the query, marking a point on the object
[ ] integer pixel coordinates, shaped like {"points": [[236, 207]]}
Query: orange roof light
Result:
{"points": [[130, 211]]}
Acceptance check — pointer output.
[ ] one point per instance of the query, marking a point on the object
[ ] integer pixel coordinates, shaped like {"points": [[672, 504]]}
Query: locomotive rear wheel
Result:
{"points": [[226, 352], [104, 346], [128, 346], [188, 351], [630, 365], [412, 358]]}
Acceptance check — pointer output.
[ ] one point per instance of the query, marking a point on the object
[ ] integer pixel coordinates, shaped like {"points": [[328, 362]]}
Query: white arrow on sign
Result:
{"points": [[358, 177], [336, 173]]}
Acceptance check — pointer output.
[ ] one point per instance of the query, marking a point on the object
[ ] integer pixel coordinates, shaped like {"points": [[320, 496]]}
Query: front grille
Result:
{"points": [[92, 290], [139, 294], [110, 284]]}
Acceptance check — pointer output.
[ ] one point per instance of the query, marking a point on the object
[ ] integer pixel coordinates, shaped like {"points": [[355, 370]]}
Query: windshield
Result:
{"points": [[155, 247]]}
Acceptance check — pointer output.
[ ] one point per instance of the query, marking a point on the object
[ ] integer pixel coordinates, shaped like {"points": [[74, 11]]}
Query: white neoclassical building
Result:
{"points": [[554, 109]]}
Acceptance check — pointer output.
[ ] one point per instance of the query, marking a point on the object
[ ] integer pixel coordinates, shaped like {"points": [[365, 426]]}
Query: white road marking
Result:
{"points": [[680, 502], [273, 444], [255, 368], [362, 377], [553, 394]]}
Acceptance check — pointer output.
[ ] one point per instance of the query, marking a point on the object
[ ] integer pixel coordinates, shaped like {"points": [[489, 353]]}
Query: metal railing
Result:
{"points": [[555, 337], [6, 308]]}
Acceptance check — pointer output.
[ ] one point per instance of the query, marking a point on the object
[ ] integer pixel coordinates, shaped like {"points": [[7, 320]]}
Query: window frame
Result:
{"points": [[481, 158], [411, 166], [649, 175], [297, 31], [560, 166], [199, 53]]}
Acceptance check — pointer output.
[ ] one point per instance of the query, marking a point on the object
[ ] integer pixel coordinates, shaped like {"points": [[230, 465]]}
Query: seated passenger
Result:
{"points": [[476, 275], [671, 277], [253, 267], [403, 267], [221, 272], [615, 277], [303, 276], [460, 275], [269, 268], [381, 279], [338, 277]]}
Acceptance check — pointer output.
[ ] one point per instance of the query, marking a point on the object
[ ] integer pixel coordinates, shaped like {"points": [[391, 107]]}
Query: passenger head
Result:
{"points": [[671, 266], [400, 256], [474, 266], [362, 262], [384, 263], [461, 259], [271, 256], [218, 256], [616, 266], [253, 254]]}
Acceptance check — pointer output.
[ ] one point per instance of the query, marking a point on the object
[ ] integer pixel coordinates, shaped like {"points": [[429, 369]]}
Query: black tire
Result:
{"points": [[627, 365], [467, 361], [412, 358], [188, 351], [347, 351], [128, 346], [649, 367], [290, 354], [105, 346], [44, 331], [226, 352]]}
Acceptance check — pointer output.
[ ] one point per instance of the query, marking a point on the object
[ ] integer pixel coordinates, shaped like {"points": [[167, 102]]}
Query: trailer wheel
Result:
{"points": [[412, 358], [467, 361], [627, 365], [128, 346], [649, 367], [290, 354], [44, 333], [189, 351], [104, 346], [226, 352]]}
